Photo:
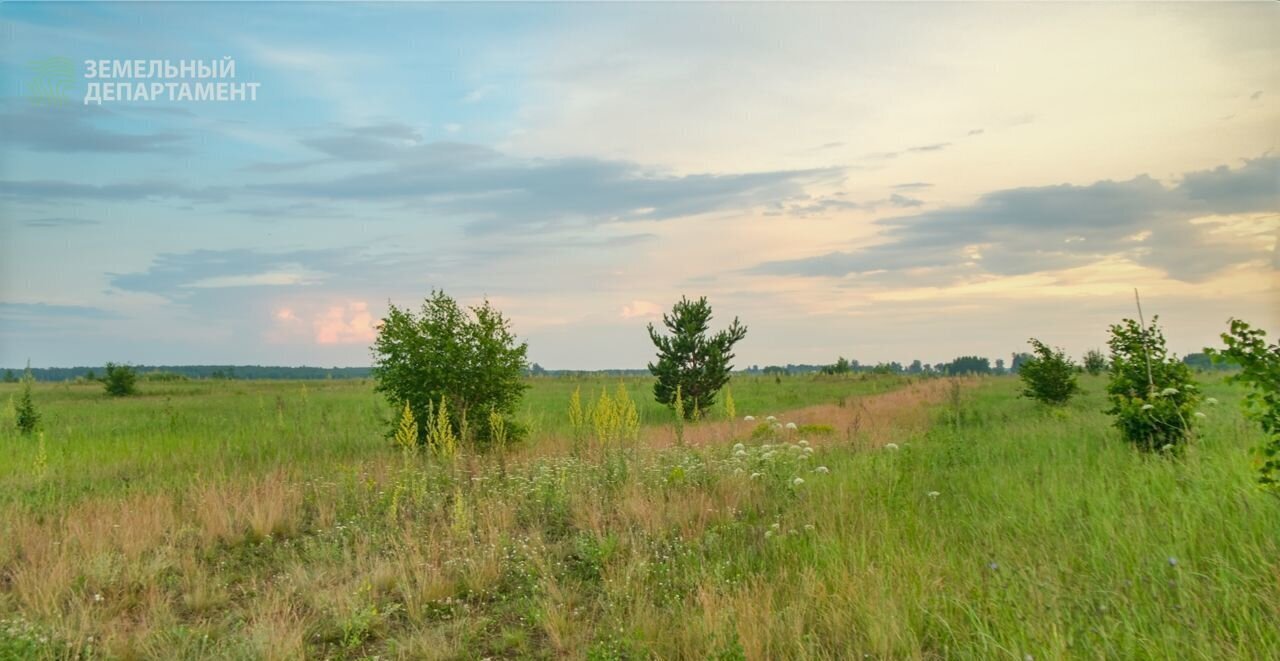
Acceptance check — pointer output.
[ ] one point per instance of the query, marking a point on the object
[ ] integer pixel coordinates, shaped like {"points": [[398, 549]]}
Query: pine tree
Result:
{"points": [[690, 358], [28, 419]]}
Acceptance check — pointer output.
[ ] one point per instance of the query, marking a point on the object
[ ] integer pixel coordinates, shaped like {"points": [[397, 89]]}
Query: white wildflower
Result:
{"points": [[756, 476], [1147, 407], [1199, 414], [798, 481], [770, 419], [1168, 391], [1212, 401], [802, 443], [933, 494], [740, 453], [891, 446], [821, 469], [738, 446], [791, 426], [749, 418]]}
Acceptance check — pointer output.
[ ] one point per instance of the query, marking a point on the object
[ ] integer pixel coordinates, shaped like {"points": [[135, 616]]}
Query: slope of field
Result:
{"points": [[995, 529]]}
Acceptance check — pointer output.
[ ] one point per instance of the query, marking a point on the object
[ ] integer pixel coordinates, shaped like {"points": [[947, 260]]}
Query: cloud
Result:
{"points": [[937, 146], [48, 190], [836, 202], [71, 128], [178, 276], [350, 323], [59, 222], [27, 311], [1026, 230], [46, 317], [1253, 187], [641, 310], [913, 185], [494, 192]]}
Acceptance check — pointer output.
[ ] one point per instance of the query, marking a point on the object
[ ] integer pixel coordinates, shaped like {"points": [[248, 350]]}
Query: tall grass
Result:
{"points": [[224, 429], [996, 529]]}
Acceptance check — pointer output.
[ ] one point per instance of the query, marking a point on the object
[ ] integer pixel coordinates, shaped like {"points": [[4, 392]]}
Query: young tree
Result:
{"points": [[1095, 362], [1152, 394], [27, 418], [1260, 368], [841, 366], [10, 377], [120, 380], [691, 359], [466, 358], [1048, 376]]}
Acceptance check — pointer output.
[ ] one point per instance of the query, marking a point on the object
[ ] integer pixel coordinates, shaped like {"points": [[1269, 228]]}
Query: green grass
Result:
{"points": [[1045, 536], [217, 429]]}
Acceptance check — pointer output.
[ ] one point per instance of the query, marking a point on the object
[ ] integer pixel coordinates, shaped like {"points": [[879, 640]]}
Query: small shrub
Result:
{"points": [[467, 356], [1152, 395], [1259, 368], [120, 380], [1095, 362], [26, 416], [815, 430], [1049, 376]]}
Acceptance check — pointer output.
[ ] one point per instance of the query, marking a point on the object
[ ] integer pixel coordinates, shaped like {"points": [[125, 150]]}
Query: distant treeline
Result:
{"points": [[961, 365], [180, 372]]}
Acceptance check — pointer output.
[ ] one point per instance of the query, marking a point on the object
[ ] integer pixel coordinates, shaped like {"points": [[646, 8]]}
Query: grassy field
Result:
{"points": [[218, 429], [262, 520]]}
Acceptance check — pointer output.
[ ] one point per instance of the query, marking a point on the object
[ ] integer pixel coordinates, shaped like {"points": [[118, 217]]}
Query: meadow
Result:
{"points": [[938, 518]]}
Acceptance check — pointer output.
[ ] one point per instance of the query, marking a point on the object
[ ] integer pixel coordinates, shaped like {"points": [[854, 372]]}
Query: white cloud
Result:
{"points": [[641, 310]]}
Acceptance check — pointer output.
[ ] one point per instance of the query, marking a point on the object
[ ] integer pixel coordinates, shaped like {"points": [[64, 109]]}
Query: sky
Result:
{"points": [[882, 182]]}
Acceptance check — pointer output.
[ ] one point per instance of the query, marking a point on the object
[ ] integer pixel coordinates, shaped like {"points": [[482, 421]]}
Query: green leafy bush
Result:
{"points": [[1095, 362], [120, 380], [462, 361], [1152, 395], [1049, 376], [1260, 368]]}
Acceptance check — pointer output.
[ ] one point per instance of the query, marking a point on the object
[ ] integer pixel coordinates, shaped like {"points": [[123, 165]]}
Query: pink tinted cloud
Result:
{"points": [[641, 309], [345, 324]]}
